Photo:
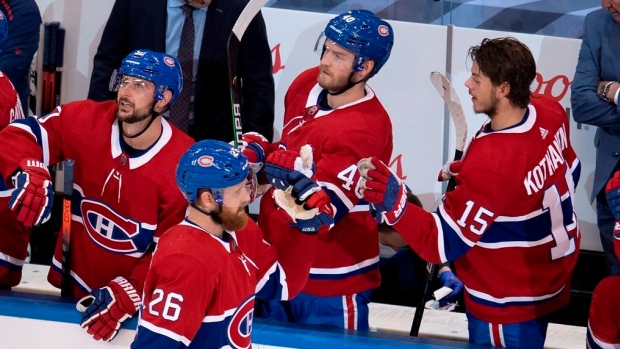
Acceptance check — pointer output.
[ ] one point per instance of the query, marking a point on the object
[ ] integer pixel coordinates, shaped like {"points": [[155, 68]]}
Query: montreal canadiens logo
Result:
{"points": [[169, 61], [383, 30], [240, 326], [110, 230], [205, 161]]}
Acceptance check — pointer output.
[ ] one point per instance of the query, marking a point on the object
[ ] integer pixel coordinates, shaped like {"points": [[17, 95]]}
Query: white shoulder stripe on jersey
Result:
{"points": [[165, 332], [527, 216], [515, 299], [345, 270], [54, 113], [12, 260], [6, 193], [282, 281], [221, 317]]}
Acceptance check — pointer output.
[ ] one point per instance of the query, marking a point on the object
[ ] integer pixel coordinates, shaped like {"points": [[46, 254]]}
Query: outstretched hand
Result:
{"points": [[383, 190]]}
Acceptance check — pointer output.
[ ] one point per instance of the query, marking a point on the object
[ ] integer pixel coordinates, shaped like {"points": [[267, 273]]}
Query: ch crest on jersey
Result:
{"points": [[112, 231], [240, 326]]}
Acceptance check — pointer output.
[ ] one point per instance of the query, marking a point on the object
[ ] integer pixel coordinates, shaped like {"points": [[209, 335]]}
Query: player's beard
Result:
{"points": [[491, 110], [137, 116], [332, 83], [232, 219]]}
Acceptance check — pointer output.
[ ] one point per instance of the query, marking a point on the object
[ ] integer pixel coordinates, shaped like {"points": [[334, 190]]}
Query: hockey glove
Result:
{"points": [[106, 308], [448, 279], [282, 162], [383, 190], [307, 204], [255, 148], [33, 196], [612, 193], [449, 170]]}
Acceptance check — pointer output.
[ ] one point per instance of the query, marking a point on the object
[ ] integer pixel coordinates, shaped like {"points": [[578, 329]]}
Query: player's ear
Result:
{"points": [[367, 68], [160, 106], [504, 89]]}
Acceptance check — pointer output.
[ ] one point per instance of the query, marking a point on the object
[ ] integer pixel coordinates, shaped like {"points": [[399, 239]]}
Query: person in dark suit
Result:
{"points": [[21, 44], [594, 99], [154, 25]]}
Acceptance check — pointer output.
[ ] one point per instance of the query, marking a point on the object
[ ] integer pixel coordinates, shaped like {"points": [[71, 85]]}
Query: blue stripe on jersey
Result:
{"points": [[454, 247], [34, 126], [3, 186], [533, 229], [593, 343], [344, 275], [146, 338], [272, 289], [10, 265]]}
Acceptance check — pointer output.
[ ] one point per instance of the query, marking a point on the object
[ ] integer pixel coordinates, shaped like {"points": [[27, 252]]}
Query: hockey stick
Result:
{"points": [[234, 41], [451, 99], [64, 186]]}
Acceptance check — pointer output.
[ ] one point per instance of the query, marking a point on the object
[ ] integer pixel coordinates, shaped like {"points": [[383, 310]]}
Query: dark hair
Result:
{"points": [[507, 60]]}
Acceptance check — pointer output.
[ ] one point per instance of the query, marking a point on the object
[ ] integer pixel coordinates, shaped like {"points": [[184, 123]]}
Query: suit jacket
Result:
{"points": [[599, 60], [141, 24]]}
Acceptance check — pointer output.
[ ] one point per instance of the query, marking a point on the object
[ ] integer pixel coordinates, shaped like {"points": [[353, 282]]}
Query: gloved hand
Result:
{"points": [[105, 308], [281, 163], [449, 170], [612, 193], [383, 190], [256, 148], [448, 279], [306, 203], [33, 196]]}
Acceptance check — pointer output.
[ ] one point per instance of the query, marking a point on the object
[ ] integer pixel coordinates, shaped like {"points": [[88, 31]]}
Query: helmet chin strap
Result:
{"points": [[146, 127], [212, 214]]}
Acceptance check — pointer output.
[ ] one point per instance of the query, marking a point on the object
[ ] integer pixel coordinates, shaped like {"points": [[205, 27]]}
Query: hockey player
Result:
{"points": [[124, 194], [14, 235], [509, 225], [331, 108], [603, 325], [207, 271]]}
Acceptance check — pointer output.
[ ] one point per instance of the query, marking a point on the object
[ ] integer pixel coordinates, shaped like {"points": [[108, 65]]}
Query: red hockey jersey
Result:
{"points": [[347, 257], [121, 202], [14, 236], [509, 225], [200, 288]]}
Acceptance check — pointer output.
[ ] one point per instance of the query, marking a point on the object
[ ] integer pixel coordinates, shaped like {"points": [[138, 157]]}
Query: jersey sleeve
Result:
{"points": [[463, 217], [178, 290], [283, 265], [31, 137]]}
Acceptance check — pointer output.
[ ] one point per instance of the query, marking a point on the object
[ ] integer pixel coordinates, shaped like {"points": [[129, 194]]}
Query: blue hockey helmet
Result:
{"points": [[363, 33], [4, 30], [161, 69], [211, 164]]}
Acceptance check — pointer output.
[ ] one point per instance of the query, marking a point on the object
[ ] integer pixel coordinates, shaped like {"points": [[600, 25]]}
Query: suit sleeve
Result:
{"points": [[113, 47], [180, 289], [588, 108], [283, 265], [255, 69]]}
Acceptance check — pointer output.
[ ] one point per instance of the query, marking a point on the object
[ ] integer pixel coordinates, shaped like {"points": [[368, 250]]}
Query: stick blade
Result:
{"points": [[451, 98], [247, 15]]}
